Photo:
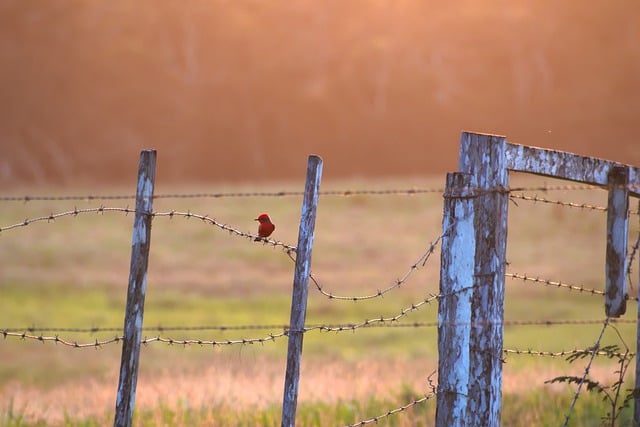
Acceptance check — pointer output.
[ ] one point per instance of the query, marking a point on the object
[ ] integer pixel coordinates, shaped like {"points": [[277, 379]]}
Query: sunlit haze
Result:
{"points": [[246, 90]]}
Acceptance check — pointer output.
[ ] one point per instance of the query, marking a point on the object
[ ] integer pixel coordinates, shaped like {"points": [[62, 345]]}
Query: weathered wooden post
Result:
{"points": [[454, 309], [141, 241], [484, 156], [617, 239], [489, 159], [300, 290]]}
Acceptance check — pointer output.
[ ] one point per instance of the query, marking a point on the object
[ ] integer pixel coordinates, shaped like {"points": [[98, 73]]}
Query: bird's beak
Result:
{"points": [[256, 219]]}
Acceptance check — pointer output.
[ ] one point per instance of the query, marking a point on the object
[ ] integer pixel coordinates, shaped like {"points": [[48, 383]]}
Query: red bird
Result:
{"points": [[265, 228]]}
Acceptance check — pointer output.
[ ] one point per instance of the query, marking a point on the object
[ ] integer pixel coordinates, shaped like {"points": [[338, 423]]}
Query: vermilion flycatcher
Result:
{"points": [[266, 227]]}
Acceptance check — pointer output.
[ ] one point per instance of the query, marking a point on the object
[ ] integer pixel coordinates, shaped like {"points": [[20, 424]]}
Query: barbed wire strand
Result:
{"points": [[283, 193], [401, 408], [75, 212], [12, 333], [552, 283], [100, 343], [536, 199], [567, 353], [309, 327], [101, 209], [583, 206], [422, 260], [187, 215], [393, 411], [557, 284]]}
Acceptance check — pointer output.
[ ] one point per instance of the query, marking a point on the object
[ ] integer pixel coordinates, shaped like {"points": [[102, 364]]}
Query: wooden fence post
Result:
{"points": [[484, 156], [300, 290], [454, 308], [140, 246], [617, 239]]}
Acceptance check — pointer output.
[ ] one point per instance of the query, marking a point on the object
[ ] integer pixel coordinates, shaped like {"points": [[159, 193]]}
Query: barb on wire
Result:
{"points": [[398, 282]]}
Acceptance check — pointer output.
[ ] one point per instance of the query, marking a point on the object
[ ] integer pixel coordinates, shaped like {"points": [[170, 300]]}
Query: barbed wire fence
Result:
{"points": [[55, 335], [30, 332]]}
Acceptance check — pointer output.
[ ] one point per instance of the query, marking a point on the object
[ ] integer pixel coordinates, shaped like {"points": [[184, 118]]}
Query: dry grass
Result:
{"points": [[256, 384]]}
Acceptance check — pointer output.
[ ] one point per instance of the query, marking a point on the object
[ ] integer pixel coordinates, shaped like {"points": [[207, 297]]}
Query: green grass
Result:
{"points": [[74, 272]]}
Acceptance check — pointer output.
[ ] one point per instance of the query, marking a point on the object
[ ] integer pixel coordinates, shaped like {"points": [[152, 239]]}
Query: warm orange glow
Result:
{"points": [[247, 89]]}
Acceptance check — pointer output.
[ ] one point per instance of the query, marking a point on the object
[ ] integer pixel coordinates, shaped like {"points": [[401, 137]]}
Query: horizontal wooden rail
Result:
{"points": [[569, 166]]}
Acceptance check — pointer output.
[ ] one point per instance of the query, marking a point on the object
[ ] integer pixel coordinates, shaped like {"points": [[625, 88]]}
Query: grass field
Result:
{"points": [[73, 273]]}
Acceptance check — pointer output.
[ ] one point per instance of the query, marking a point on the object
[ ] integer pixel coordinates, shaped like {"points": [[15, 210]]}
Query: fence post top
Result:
{"points": [[472, 133]]}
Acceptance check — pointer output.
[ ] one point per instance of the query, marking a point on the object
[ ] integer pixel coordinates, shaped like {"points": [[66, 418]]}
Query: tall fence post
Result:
{"points": [[454, 308], [484, 156], [141, 241], [617, 239], [300, 290]]}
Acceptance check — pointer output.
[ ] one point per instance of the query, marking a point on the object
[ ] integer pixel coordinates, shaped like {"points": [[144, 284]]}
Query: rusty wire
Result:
{"points": [[158, 338], [75, 212], [582, 206], [553, 283], [126, 210], [29, 333], [422, 260], [289, 249], [310, 327], [568, 353], [283, 193], [537, 199], [250, 194], [562, 285], [394, 411]]}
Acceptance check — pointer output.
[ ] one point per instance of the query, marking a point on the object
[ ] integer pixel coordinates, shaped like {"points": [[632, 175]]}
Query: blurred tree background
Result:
{"points": [[230, 90]]}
